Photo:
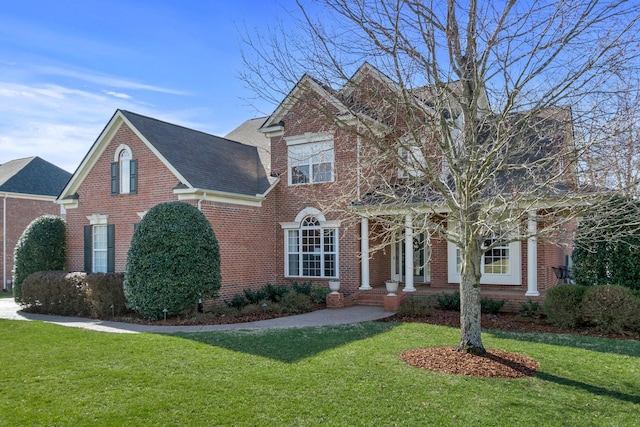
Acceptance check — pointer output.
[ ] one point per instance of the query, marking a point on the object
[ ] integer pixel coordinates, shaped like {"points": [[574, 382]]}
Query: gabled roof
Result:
{"points": [[200, 161], [248, 133], [206, 161], [32, 175]]}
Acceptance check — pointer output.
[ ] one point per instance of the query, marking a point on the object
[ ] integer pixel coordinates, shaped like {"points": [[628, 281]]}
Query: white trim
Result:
{"points": [[98, 219], [220, 196], [308, 138], [515, 267], [121, 147], [532, 257]]}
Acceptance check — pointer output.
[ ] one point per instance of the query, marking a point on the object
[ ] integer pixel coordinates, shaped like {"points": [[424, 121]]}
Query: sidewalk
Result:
{"points": [[356, 314]]}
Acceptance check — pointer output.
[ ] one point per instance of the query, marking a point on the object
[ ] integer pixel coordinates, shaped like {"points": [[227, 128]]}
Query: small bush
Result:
{"points": [[296, 303], [490, 305], [274, 293], [416, 306], [302, 288], [253, 296], [530, 310], [319, 294], [450, 302], [562, 305], [238, 302], [611, 308], [105, 294], [41, 247]]}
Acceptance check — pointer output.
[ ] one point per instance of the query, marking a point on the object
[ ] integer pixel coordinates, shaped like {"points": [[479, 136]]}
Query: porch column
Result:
{"points": [[408, 254], [532, 257], [364, 254]]}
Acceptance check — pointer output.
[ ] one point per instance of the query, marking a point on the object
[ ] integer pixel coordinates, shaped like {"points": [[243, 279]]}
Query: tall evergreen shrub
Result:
{"points": [[41, 247], [173, 261]]}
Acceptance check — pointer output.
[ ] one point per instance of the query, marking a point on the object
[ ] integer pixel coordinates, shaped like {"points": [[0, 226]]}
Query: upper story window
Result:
{"points": [[411, 162], [311, 159], [124, 172]]}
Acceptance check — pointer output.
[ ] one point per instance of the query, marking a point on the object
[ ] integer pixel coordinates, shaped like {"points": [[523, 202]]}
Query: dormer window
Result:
{"points": [[124, 172]]}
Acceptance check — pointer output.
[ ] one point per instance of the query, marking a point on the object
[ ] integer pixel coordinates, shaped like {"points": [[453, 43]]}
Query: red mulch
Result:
{"points": [[495, 363]]}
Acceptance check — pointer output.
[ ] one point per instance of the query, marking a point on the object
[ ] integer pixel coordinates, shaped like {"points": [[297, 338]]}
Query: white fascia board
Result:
{"points": [[219, 197], [37, 197]]}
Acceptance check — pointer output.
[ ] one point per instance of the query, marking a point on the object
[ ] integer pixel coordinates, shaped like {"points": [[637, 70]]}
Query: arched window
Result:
{"points": [[312, 249], [124, 172]]}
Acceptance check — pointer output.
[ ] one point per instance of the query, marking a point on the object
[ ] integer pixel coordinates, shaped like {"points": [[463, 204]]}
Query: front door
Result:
{"points": [[421, 258]]}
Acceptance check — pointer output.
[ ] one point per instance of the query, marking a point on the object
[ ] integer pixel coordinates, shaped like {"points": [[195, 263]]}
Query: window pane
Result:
{"points": [[293, 244], [294, 265], [322, 172], [496, 260], [311, 265], [329, 265], [300, 174], [99, 248]]}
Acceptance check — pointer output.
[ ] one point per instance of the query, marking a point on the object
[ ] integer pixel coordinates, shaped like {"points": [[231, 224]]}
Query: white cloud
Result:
{"points": [[117, 94]]}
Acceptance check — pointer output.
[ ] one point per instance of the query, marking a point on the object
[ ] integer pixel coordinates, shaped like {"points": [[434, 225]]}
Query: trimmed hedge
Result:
{"points": [[41, 247], [173, 261], [611, 308], [74, 294], [563, 305]]}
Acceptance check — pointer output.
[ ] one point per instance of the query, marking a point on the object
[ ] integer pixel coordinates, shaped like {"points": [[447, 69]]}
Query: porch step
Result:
{"points": [[373, 297]]}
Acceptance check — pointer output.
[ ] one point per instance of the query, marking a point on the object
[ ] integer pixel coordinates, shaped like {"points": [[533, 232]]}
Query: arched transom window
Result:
{"points": [[124, 172], [312, 249]]}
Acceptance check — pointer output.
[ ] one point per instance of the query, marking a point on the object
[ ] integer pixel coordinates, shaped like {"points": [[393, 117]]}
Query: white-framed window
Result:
{"points": [[500, 265], [311, 246], [411, 162], [311, 159], [99, 249], [125, 170]]}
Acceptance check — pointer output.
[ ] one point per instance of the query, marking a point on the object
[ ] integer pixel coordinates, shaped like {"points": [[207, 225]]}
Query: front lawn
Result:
{"points": [[349, 376]]}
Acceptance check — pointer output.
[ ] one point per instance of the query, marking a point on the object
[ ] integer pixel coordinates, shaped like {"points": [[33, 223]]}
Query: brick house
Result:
{"points": [[263, 202], [28, 188], [138, 162]]}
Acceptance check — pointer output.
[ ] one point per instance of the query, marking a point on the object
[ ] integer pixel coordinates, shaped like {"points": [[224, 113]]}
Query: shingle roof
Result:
{"points": [[206, 161], [32, 175]]}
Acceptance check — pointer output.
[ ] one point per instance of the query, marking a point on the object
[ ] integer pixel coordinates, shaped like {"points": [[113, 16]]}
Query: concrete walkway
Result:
{"points": [[356, 314]]}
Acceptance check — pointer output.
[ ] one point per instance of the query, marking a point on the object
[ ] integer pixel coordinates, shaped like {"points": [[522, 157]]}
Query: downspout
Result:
{"points": [[358, 163], [200, 200], [4, 242]]}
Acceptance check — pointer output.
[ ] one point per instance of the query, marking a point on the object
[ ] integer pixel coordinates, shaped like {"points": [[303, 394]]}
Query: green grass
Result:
{"points": [[347, 376], [6, 294]]}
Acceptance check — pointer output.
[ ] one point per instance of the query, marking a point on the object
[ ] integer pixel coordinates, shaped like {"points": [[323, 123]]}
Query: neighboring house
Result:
{"points": [[28, 188], [262, 201]]}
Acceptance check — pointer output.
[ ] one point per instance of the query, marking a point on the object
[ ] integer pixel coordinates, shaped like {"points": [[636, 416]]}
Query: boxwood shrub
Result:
{"points": [[562, 305], [611, 308]]}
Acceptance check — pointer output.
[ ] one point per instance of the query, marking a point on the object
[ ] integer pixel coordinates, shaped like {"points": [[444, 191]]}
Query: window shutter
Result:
{"points": [[114, 178], [133, 176], [87, 248], [111, 248]]}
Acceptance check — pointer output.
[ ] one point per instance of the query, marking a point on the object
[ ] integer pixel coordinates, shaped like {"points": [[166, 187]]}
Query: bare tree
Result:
{"points": [[477, 104]]}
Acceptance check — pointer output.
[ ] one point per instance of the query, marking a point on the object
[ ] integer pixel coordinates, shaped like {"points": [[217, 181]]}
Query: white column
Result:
{"points": [[532, 257], [364, 254], [408, 254]]}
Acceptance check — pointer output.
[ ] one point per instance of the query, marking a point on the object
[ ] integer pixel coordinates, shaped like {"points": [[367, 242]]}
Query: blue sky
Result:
{"points": [[67, 65]]}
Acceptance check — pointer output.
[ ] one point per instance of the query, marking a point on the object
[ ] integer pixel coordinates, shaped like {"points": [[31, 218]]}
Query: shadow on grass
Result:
{"points": [[599, 391], [289, 345], [602, 345]]}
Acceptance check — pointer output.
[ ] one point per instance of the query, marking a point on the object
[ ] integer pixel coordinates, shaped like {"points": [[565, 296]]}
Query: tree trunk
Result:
{"points": [[470, 328]]}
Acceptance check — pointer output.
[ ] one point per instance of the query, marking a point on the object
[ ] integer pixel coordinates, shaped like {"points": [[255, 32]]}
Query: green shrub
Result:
{"points": [[562, 305], [41, 247], [105, 294], [446, 301], [608, 255], [173, 261], [530, 309], [94, 295], [319, 294], [302, 288], [296, 303], [238, 302], [611, 308], [55, 292], [416, 306], [490, 305], [253, 296], [274, 293]]}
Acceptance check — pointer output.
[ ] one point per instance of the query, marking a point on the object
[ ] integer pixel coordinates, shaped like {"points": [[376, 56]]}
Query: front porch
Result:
{"points": [[375, 296]]}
